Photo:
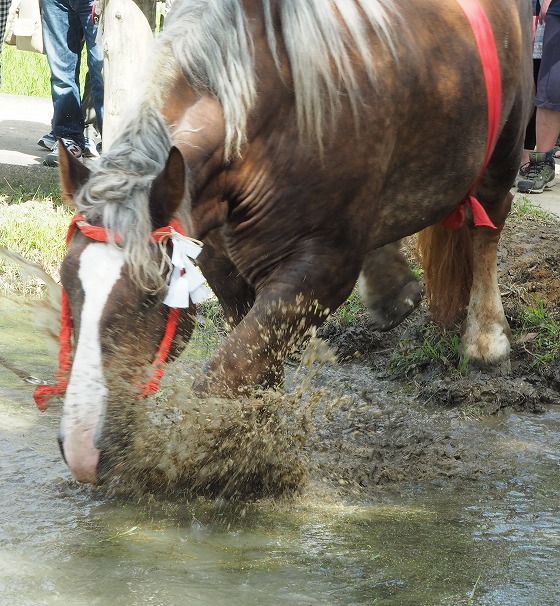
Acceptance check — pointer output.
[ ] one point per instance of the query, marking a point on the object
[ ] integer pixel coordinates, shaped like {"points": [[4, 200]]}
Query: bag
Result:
{"points": [[9, 36], [26, 27]]}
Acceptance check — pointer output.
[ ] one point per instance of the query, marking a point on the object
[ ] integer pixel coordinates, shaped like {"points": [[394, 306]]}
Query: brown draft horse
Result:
{"points": [[299, 140]]}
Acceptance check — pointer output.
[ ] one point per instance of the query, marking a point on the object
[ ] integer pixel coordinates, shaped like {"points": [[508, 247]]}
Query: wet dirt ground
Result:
{"points": [[412, 412]]}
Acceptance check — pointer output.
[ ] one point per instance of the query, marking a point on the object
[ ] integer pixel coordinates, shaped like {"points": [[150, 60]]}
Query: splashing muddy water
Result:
{"points": [[396, 503]]}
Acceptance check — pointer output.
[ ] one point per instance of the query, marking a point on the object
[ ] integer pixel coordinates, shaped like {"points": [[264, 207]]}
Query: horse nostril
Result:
{"points": [[61, 447]]}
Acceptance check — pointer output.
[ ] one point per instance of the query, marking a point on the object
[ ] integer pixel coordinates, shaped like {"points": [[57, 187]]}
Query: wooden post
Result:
{"points": [[148, 8], [127, 40]]}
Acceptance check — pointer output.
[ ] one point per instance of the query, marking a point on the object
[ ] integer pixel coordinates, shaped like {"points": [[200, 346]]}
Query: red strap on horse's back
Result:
{"points": [[486, 44]]}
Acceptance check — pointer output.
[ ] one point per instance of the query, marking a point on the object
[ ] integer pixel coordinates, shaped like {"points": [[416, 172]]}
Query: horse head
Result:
{"points": [[119, 324]]}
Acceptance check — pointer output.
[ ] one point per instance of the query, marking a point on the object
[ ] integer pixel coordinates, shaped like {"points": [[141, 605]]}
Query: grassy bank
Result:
{"points": [[34, 229], [25, 73]]}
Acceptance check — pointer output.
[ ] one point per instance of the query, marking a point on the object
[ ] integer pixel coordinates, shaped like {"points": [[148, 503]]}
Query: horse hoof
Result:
{"points": [[501, 369], [392, 312], [489, 349], [489, 352]]}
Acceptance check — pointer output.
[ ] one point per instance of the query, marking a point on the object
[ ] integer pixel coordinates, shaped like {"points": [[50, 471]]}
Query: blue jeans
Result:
{"points": [[66, 25]]}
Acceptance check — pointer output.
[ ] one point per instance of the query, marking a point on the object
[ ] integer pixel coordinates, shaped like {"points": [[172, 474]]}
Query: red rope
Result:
{"points": [[43, 393], [158, 365], [491, 68], [99, 234]]}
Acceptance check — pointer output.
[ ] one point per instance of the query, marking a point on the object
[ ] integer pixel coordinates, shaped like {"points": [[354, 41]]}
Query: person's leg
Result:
{"points": [[94, 58], [548, 88], [90, 120], [541, 171], [548, 128], [62, 40]]}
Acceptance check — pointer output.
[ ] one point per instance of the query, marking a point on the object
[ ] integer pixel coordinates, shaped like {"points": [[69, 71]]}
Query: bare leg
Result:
{"points": [[548, 129]]}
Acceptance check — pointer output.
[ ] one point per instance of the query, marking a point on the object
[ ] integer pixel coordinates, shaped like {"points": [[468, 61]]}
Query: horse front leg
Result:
{"points": [[486, 336], [253, 354], [234, 294]]}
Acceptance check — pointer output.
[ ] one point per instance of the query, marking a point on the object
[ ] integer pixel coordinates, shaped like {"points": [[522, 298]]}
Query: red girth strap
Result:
{"points": [[491, 67], [43, 393]]}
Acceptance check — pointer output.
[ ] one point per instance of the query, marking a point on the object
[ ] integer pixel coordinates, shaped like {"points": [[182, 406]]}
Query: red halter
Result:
{"points": [[43, 393], [492, 77]]}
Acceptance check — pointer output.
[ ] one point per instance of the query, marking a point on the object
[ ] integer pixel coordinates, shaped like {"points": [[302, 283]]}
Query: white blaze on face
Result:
{"points": [[86, 397]]}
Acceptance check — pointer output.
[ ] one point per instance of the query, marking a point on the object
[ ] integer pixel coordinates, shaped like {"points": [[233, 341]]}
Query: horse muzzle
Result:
{"points": [[81, 456]]}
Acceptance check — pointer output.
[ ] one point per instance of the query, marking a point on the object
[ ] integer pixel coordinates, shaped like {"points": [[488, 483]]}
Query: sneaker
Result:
{"points": [[540, 174], [90, 150], [52, 158], [47, 141], [524, 170]]}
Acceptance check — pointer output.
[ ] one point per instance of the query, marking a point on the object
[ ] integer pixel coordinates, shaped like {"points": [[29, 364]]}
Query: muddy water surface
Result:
{"points": [[493, 540]]}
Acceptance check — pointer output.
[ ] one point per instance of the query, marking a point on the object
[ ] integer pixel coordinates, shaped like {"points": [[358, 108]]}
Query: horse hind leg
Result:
{"points": [[460, 272], [388, 286], [486, 334]]}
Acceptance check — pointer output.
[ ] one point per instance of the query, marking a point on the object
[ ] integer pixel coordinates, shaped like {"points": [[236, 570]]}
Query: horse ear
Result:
{"points": [[73, 174], [168, 189]]}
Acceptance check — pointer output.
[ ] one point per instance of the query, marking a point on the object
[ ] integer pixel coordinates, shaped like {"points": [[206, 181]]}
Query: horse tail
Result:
{"points": [[447, 258]]}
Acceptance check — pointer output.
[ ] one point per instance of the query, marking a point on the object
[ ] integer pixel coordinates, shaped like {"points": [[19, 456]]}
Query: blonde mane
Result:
{"points": [[210, 42]]}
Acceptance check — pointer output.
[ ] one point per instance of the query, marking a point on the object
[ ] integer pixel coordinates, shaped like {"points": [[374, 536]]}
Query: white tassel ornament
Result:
{"points": [[187, 284]]}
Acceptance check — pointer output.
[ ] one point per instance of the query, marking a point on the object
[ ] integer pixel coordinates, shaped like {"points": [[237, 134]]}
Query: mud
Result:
{"points": [[422, 417], [391, 412], [395, 408]]}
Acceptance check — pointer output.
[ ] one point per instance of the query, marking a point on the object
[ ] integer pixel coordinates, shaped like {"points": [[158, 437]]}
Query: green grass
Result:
{"points": [[28, 74], [351, 311], [210, 328], [523, 208], [36, 230], [539, 333], [433, 345]]}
